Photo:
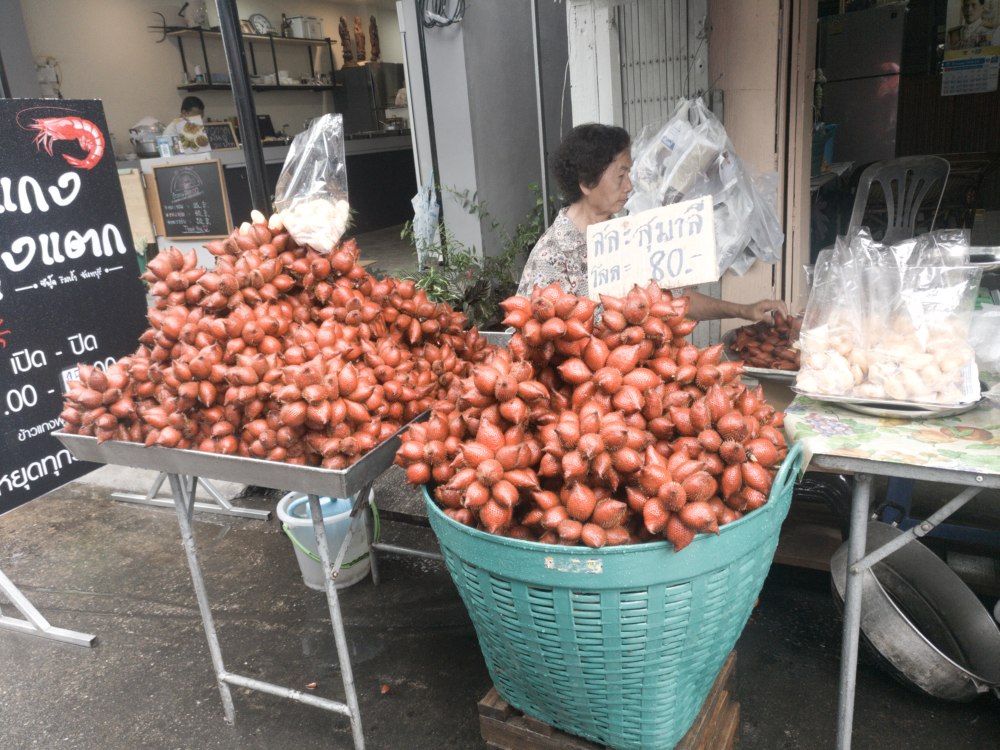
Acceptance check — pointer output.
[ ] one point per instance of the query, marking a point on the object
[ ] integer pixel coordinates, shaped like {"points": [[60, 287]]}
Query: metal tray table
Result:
{"points": [[761, 373], [185, 467]]}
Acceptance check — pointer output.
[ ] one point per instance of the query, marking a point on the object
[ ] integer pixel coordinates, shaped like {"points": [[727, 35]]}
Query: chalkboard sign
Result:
{"points": [[192, 200], [69, 280], [221, 135]]}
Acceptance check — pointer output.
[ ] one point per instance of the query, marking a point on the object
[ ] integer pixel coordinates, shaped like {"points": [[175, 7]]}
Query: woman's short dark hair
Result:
{"points": [[584, 154], [192, 102]]}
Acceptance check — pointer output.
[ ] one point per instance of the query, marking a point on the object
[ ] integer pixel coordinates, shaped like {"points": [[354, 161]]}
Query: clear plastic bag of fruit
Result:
{"points": [[891, 323], [310, 198]]}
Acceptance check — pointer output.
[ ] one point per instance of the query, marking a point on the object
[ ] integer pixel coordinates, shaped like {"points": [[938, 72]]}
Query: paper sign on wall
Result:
{"points": [[673, 245]]}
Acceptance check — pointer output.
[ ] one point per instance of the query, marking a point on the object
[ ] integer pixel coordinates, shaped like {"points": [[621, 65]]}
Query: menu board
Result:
{"points": [[221, 136], [69, 280], [192, 200]]}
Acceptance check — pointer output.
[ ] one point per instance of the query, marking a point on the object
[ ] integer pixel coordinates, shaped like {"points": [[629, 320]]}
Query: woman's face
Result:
{"points": [[608, 196]]}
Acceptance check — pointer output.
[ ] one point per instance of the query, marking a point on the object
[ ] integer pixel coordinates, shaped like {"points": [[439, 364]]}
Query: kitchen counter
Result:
{"points": [[380, 173], [275, 152]]}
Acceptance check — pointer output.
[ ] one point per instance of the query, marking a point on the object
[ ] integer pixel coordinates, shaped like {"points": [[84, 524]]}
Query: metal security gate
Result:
{"points": [[663, 57]]}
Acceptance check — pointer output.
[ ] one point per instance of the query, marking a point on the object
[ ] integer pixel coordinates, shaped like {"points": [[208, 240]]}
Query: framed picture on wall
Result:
{"points": [[977, 25], [246, 27]]}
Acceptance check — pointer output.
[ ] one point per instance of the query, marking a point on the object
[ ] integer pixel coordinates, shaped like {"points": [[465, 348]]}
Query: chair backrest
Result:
{"points": [[905, 183]]}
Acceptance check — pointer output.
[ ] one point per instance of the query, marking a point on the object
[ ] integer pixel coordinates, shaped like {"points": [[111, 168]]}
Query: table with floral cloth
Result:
{"points": [[963, 450], [968, 442]]}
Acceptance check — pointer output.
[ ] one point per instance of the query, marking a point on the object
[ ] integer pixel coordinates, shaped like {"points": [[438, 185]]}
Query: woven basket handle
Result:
{"points": [[789, 471]]}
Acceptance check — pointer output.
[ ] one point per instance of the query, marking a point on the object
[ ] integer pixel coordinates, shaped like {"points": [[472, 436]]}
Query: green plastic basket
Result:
{"points": [[617, 645]]}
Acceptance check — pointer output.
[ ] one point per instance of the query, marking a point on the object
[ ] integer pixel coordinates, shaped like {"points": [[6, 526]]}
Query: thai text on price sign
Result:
{"points": [[673, 245]]}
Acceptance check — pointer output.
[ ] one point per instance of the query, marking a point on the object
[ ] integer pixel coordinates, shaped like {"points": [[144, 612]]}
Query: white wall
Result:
{"points": [[502, 102], [483, 99], [105, 51], [17, 63], [745, 66]]}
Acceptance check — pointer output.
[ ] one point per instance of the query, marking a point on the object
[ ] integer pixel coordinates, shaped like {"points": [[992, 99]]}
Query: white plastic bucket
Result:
{"points": [[296, 522]]}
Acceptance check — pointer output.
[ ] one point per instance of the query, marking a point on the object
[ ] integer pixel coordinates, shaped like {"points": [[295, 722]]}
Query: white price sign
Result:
{"points": [[673, 245]]}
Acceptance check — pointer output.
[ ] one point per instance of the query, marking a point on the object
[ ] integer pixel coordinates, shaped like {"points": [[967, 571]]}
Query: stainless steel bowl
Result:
{"points": [[921, 622]]}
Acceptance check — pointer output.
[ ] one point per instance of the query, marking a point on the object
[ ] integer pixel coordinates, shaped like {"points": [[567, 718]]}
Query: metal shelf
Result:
{"points": [[259, 87], [266, 38], [252, 40]]}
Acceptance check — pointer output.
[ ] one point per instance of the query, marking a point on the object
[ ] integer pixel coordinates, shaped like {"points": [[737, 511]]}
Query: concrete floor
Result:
{"points": [[391, 255], [116, 570]]}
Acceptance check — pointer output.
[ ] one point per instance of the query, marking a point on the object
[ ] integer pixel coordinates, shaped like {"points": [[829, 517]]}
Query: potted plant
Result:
{"points": [[466, 279]]}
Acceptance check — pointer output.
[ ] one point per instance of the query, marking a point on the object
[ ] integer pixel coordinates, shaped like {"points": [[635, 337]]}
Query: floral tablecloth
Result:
{"points": [[964, 442]]}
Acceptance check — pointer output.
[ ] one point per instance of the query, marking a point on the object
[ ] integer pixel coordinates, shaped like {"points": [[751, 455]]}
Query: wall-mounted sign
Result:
{"points": [[69, 280], [673, 245], [972, 48]]}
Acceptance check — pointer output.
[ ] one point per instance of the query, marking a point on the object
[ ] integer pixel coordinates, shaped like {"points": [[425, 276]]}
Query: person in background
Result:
{"points": [[188, 129], [592, 167]]}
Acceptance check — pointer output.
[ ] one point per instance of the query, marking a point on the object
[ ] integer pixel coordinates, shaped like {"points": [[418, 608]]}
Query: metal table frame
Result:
{"points": [[858, 562], [218, 502], [34, 623], [184, 468]]}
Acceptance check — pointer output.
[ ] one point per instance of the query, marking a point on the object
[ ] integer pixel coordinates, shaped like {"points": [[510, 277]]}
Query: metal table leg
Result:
{"points": [[183, 502], [183, 489], [33, 622], [852, 608], [221, 505], [336, 619], [857, 564], [357, 515]]}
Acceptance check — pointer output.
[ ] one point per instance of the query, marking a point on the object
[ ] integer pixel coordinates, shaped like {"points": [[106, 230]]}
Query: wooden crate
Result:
{"points": [[715, 727]]}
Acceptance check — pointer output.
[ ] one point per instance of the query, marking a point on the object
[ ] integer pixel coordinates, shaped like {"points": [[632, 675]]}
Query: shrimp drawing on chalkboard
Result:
{"points": [[52, 129], [3, 333]]}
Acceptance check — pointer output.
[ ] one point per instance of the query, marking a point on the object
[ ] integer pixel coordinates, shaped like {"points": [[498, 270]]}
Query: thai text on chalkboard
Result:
{"points": [[192, 200], [221, 135]]}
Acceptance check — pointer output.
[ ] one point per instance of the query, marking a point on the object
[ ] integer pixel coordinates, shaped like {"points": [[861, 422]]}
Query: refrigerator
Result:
{"points": [[364, 92], [860, 54]]}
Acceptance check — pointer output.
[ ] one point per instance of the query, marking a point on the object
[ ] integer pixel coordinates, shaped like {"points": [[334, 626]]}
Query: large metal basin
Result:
{"points": [[921, 622]]}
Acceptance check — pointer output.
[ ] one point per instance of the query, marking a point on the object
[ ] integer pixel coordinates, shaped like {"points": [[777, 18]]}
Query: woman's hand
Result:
{"points": [[703, 307], [763, 310]]}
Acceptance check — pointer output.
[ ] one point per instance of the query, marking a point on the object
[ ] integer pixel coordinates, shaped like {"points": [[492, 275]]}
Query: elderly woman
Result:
{"points": [[592, 167]]}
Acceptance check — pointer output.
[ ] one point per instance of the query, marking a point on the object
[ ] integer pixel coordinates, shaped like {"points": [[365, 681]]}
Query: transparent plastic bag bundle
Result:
{"points": [[690, 156], [891, 323], [426, 214], [311, 194]]}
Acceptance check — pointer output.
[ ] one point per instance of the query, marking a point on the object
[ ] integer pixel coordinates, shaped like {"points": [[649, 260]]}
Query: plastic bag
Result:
{"points": [[984, 336], [690, 156], [891, 324], [311, 194], [426, 213]]}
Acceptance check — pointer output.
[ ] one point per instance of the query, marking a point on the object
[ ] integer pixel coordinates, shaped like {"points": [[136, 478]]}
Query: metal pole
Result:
{"points": [[253, 152], [183, 501], [921, 529], [4, 86], [852, 608], [430, 116], [537, 50], [337, 621]]}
